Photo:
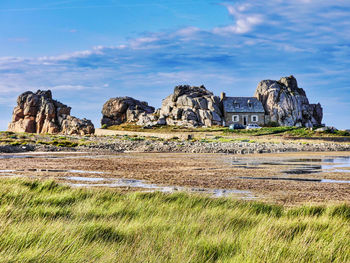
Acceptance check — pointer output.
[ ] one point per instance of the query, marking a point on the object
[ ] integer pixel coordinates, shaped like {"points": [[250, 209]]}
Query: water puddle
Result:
{"points": [[52, 171], [304, 170], [337, 164], [335, 181], [84, 179], [133, 183], [80, 181], [298, 179], [15, 156], [7, 171], [52, 155]]}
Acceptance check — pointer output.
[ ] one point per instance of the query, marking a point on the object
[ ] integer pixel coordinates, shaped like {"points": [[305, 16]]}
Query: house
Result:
{"points": [[243, 110]]}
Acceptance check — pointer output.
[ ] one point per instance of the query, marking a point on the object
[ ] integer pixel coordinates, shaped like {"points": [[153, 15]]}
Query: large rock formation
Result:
{"points": [[287, 104], [191, 106], [124, 109], [39, 113]]}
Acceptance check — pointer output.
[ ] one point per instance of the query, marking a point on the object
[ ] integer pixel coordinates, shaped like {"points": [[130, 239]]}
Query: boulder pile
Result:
{"points": [[39, 113], [287, 104], [191, 106], [124, 109]]}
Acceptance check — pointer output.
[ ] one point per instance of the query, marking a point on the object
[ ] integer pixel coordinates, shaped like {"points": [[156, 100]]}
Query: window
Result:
{"points": [[254, 118], [236, 105], [235, 118], [249, 104]]}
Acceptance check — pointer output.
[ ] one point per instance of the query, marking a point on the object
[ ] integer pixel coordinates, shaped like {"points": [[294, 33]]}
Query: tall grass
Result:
{"points": [[47, 222]]}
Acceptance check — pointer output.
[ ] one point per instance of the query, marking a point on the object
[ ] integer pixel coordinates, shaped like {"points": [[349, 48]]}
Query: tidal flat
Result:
{"points": [[286, 178]]}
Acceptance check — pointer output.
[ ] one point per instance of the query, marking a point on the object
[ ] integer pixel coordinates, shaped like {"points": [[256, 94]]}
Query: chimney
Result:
{"points": [[222, 96]]}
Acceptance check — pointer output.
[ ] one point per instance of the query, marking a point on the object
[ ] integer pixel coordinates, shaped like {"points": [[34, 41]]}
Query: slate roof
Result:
{"points": [[231, 104]]}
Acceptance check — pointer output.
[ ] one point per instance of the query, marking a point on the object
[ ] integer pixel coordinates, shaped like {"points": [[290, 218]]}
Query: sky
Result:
{"points": [[87, 51]]}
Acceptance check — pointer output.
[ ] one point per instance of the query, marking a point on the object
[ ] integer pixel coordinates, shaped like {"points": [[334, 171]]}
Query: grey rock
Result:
{"points": [[287, 104], [125, 109], [192, 107]]}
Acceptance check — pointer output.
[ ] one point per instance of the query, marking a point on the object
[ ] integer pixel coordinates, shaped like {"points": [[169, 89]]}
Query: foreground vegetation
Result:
{"points": [[47, 222]]}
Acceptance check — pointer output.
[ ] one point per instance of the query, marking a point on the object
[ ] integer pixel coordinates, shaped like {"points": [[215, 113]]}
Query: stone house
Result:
{"points": [[243, 110]]}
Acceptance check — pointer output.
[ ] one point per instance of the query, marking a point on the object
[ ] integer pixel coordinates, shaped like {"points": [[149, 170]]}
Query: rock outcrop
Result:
{"points": [[191, 106], [124, 109], [39, 113], [287, 104]]}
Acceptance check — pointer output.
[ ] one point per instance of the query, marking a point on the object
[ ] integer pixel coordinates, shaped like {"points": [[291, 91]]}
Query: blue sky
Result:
{"points": [[88, 51]]}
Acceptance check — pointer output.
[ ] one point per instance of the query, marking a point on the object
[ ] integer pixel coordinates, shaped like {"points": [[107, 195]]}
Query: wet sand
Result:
{"points": [[196, 172]]}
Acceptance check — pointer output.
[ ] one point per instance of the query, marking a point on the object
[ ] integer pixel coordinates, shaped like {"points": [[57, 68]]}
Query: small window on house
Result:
{"points": [[235, 118], [236, 104], [249, 104], [254, 118]]}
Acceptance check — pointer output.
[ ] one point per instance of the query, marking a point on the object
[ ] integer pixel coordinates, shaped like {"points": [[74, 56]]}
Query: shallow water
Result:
{"points": [[297, 179], [80, 181], [53, 171], [337, 164], [133, 183], [15, 156]]}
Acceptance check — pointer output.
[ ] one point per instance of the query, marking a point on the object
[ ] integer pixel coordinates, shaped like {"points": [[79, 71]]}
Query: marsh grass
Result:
{"points": [[47, 222]]}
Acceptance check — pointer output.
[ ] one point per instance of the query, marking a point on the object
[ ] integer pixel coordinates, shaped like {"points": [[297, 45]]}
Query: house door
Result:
{"points": [[245, 120]]}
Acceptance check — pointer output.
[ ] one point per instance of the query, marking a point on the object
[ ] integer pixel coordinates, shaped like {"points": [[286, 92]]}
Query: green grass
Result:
{"points": [[282, 131], [165, 128], [262, 131], [47, 222], [288, 131]]}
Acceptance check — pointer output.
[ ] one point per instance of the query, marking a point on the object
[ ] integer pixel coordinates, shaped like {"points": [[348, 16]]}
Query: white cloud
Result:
{"points": [[244, 22], [242, 25]]}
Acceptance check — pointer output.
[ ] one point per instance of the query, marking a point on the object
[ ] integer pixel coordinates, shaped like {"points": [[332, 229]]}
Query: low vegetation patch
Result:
{"points": [[42, 221], [17, 139], [165, 128], [288, 131]]}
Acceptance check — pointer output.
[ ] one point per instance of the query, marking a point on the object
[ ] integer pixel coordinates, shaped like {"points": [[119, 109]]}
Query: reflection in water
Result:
{"points": [[53, 171], [15, 156], [133, 183], [301, 165], [80, 181], [298, 179]]}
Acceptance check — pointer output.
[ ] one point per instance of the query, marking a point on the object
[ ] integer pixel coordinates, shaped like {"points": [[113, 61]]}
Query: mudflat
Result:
{"points": [[285, 178]]}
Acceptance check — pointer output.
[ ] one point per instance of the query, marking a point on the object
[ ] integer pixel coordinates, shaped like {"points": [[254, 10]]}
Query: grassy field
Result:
{"points": [[47, 222]]}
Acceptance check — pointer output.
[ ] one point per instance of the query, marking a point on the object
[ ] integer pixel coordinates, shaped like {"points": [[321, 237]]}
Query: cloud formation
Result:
{"points": [[265, 40]]}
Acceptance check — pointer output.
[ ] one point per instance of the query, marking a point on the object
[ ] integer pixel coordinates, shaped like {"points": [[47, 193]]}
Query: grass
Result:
{"points": [[47, 222], [282, 131], [165, 128], [289, 131], [17, 139]]}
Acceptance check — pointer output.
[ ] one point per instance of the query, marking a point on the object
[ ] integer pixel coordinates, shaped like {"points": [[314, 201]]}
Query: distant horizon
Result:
{"points": [[89, 51]]}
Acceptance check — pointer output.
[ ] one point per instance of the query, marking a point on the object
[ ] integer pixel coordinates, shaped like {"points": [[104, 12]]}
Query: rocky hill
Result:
{"points": [[39, 113], [287, 104]]}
